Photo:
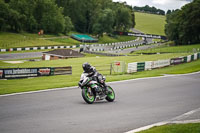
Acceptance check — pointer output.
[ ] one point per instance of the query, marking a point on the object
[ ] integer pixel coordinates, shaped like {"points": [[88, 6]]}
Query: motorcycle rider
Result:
{"points": [[92, 72]]}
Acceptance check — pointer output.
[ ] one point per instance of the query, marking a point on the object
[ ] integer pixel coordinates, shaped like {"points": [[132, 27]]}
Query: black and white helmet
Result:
{"points": [[86, 67]]}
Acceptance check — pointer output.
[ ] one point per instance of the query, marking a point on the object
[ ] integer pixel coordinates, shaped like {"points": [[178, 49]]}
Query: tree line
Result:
{"points": [[183, 26], [149, 9], [61, 16]]}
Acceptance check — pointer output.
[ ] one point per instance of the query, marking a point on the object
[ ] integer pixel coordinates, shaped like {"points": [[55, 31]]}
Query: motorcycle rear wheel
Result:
{"points": [[110, 97], [87, 96]]}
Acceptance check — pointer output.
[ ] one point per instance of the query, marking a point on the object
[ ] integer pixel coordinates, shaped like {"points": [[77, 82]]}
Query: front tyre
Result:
{"points": [[110, 97], [89, 97]]}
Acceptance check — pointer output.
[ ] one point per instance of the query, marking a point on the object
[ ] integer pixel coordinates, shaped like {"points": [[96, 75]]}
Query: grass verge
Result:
{"points": [[175, 128], [41, 83]]}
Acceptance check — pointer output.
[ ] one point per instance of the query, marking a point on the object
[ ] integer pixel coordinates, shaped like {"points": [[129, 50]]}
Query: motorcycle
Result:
{"points": [[94, 91]]}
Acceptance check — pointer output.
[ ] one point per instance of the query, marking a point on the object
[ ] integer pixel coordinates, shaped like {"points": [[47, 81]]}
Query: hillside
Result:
{"points": [[150, 23]]}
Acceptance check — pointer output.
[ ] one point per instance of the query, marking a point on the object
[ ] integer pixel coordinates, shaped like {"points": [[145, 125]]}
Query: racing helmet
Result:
{"points": [[86, 67]]}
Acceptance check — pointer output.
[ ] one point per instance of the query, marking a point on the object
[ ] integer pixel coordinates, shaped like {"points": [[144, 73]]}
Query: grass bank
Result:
{"points": [[173, 49], [18, 40], [175, 128], [150, 23]]}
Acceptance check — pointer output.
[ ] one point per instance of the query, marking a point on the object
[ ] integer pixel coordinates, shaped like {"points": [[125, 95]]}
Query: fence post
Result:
{"points": [[111, 69]]}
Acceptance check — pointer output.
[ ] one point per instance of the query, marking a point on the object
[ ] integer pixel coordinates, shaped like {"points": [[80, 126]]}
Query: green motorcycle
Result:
{"points": [[94, 91]]}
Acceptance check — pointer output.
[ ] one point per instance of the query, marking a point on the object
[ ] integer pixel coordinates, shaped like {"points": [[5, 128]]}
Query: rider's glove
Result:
{"points": [[79, 84]]}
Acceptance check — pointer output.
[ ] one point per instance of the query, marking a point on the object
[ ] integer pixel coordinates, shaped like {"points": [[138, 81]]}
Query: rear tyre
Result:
{"points": [[110, 97], [88, 97]]}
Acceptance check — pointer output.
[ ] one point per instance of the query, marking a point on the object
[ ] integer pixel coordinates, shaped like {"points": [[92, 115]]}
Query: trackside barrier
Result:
{"points": [[188, 58], [140, 66], [176, 61], [132, 67], [13, 73], [38, 48], [198, 56], [195, 56], [149, 65], [160, 63]]}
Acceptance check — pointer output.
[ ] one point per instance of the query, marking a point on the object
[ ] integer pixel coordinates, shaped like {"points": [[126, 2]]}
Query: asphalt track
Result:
{"points": [[138, 103], [20, 55]]}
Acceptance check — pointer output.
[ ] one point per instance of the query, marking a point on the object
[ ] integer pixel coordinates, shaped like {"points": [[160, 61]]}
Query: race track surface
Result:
{"points": [[138, 103]]}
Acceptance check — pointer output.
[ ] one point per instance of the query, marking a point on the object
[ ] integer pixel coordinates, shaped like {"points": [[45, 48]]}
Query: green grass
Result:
{"points": [[150, 23], [107, 39], [175, 128], [101, 63], [173, 49], [67, 41], [14, 40]]}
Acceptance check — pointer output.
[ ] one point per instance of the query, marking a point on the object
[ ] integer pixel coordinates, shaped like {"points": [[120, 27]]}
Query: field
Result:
{"points": [[150, 23]]}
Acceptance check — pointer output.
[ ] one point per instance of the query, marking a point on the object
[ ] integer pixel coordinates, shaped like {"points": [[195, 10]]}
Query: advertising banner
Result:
{"points": [[175, 61], [44, 71], [12, 73], [20, 72], [160, 63]]}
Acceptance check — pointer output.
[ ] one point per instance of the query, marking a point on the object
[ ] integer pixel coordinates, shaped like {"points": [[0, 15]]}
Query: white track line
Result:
{"points": [[66, 88], [172, 121]]}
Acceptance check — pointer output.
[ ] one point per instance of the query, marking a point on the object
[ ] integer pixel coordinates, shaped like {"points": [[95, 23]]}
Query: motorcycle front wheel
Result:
{"points": [[88, 96], [110, 97]]}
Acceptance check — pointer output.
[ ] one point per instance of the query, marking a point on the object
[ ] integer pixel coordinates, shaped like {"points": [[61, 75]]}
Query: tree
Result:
{"points": [[124, 20], [104, 22], [68, 25], [25, 8], [183, 25], [149, 9], [169, 11], [3, 13], [171, 28]]}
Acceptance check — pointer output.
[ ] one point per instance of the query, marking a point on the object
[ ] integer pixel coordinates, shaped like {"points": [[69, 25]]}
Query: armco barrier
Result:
{"points": [[12, 73]]}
